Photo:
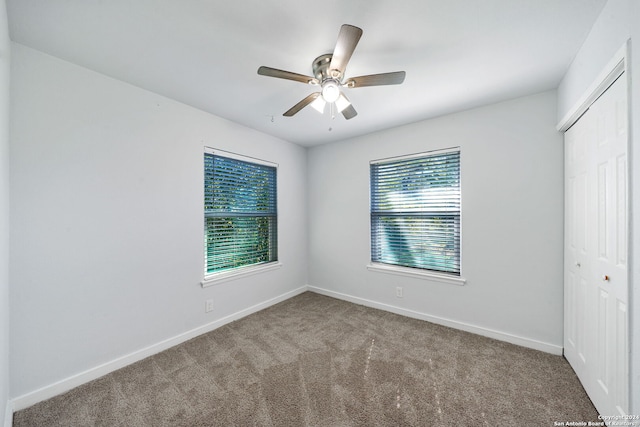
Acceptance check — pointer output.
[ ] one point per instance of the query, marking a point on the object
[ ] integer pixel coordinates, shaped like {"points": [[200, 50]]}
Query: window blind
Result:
{"points": [[240, 204], [415, 212]]}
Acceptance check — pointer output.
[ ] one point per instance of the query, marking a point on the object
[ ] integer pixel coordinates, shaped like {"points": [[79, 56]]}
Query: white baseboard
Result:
{"points": [[490, 333], [8, 414], [67, 384]]}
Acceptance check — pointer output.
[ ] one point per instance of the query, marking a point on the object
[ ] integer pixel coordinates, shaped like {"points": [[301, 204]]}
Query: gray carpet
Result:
{"points": [[318, 361]]}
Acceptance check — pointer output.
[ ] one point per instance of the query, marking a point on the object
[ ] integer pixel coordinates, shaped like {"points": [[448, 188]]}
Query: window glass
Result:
{"points": [[240, 213], [415, 211]]}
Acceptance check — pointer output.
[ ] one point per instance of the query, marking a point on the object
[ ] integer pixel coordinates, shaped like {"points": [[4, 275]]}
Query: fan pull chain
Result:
{"points": [[332, 114]]}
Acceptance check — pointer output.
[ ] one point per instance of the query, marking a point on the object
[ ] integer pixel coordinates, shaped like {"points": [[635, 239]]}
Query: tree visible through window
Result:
{"points": [[415, 211], [240, 212]]}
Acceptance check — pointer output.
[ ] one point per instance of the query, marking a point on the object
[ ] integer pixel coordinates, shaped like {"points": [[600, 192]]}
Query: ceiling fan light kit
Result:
{"points": [[330, 90], [328, 71]]}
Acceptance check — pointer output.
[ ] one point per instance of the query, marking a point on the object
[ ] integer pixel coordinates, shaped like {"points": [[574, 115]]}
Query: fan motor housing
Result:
{"points": [[321, 68]]}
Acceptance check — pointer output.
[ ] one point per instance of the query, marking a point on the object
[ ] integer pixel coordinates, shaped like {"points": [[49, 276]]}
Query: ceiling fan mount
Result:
{"points": [[329, 71], [321, 66]]}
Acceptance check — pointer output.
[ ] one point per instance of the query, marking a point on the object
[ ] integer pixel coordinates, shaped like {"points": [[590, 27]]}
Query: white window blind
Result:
{"points": [[240, 210], [415, 212]]}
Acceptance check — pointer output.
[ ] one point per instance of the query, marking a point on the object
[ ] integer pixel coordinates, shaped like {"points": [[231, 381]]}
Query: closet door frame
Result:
{"points": [[616, 68]]}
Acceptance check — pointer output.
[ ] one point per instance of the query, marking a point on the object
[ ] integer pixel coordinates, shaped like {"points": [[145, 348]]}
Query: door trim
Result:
{"points": [[614, 69]]}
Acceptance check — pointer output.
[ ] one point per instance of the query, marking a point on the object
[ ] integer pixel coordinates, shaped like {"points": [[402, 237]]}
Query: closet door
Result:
{"points": [[578, 238], [596, 284]]}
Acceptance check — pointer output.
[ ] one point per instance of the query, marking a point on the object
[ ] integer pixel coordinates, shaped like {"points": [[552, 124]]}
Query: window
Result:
{"points": [[415, 211], [240, 212]]}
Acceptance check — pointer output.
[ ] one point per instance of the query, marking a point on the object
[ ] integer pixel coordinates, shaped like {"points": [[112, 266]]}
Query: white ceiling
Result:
{"points": [[458, 54]]}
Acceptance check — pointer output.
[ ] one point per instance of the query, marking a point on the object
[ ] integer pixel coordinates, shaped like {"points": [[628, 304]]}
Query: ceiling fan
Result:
{"points": [[328, 71]]}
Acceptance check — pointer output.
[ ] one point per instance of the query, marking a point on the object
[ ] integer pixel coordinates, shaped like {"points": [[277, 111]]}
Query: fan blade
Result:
{"points": [[300, 105], [344, 106], [349, 112], [287, 75], [347, 41], [394, 78]]}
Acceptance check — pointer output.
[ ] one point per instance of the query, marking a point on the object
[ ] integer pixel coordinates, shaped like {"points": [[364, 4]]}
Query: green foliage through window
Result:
{"points": [[240, 209]]}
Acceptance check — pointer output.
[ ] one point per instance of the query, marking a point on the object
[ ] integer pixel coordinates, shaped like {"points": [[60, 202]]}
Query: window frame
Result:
{"points": [[215, 278], [416, 272]]}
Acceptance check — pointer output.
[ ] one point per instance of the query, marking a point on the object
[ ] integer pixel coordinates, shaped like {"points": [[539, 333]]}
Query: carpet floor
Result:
{"points": [[318, 361]]}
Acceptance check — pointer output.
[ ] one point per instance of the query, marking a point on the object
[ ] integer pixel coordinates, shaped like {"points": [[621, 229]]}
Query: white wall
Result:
{"points": [[107, 219], [608, 34], [618, 22], [512, 221], [4, 211]]}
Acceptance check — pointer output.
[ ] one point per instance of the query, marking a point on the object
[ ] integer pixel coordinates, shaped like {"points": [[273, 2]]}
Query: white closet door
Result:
{"points": [[578, 266], [596, 284]]}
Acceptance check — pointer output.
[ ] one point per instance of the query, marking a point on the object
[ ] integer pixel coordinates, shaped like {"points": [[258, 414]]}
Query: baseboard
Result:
{"points": [[490, 333], [67, 384], [8, 414]]}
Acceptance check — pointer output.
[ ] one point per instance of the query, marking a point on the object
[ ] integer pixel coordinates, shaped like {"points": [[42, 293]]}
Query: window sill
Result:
{"points": [[225, 276], [417, 273]]}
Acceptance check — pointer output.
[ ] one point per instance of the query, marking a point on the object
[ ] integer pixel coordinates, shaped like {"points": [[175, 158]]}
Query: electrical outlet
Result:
{"points": [[399, 291], [208, 306]]}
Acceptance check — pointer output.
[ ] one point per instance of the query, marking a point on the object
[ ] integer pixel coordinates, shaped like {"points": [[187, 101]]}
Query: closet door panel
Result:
{"points": [[596, 227]]}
